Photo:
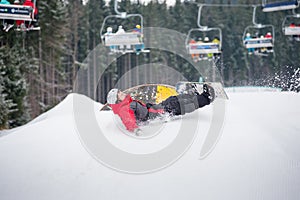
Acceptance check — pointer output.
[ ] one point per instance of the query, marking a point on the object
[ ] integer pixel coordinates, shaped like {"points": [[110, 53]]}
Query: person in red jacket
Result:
{"points": [[18, 22], [268, 35], [132, 112], [35, 12]]}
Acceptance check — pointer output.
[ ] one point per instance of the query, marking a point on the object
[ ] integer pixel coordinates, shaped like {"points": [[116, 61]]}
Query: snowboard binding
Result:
{"points": [[209, 92]]}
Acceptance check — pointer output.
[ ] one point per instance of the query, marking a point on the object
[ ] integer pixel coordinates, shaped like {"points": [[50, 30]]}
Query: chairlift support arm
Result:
{"points": [[254, 17], [123, 14], [199, 17]]}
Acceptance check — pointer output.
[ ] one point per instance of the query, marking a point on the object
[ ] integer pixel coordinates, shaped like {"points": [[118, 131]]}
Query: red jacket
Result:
{"points": [[29, 3], [18, 22], [126, 114]]}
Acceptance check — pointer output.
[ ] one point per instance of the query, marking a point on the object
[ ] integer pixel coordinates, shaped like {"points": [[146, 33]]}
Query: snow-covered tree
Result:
{"points": [[13, 87]]}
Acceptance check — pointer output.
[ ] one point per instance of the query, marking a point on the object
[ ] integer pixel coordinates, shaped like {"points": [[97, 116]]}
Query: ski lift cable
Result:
{"points": [[225, 5]]}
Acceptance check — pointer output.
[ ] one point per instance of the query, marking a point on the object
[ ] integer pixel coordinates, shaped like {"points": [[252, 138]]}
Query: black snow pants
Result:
{"points": [[175, 105], [184, 103]]}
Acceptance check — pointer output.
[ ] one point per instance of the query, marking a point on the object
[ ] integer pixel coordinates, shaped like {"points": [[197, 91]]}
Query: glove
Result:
{"points": [[138, 132], [149, 105]]}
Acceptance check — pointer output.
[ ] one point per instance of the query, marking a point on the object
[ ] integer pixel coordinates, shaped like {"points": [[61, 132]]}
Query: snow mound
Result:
{"points": [[252, 89], [256, 157]]}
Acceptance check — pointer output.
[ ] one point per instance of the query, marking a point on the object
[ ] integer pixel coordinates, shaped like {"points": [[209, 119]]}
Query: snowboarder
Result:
{"points": [[132, 112], [19, 23]]}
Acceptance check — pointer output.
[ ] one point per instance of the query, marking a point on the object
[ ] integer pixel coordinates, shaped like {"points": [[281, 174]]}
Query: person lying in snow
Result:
{"points": [[132, 112]]}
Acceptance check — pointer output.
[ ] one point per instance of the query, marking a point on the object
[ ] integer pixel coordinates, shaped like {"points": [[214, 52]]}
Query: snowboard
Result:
{"points": [[184, 87], [148, 93], [151, 93]]}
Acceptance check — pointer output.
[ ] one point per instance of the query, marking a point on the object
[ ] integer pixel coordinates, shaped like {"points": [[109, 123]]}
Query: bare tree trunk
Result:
{"points": [[41, 68], [53, 86], [74, 24], [95, 72]]}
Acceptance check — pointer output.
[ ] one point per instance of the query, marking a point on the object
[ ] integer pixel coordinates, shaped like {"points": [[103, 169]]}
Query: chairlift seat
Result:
{"points": [[203, 48], [277, 6], [258, 43], [29, 29], [292, 30], [15, 12], [123, 39]]}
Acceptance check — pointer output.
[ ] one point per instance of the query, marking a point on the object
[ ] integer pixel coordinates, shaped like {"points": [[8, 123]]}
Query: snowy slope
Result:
{"points": [[256, 157]]}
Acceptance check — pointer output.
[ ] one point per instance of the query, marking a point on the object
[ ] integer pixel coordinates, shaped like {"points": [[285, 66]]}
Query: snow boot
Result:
{"points": [[209, 92], [187, 88]]}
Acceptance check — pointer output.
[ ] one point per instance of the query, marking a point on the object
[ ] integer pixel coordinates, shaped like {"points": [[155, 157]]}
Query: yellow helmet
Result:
{"points": [[138, 26]]}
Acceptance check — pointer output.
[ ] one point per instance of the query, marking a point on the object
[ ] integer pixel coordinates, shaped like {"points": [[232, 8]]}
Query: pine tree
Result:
{"points": [[4, 107], [53, 35], [14, 87]]}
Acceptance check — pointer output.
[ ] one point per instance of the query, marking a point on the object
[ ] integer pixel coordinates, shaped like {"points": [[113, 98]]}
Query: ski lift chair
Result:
{"points": [[279, 5], [204, 48], [292, 29], [123, 42], [17, 12], [259, 45], [126, 42]]}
